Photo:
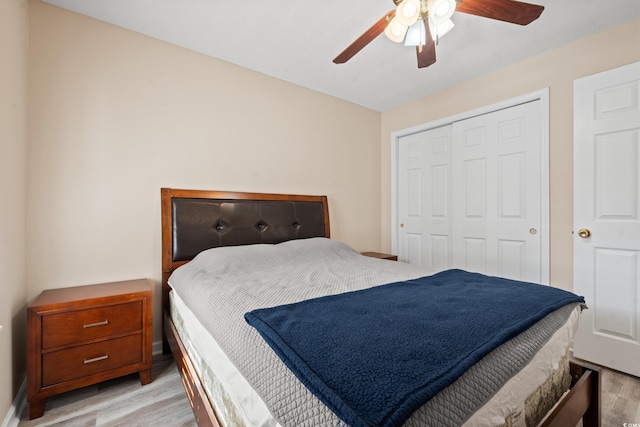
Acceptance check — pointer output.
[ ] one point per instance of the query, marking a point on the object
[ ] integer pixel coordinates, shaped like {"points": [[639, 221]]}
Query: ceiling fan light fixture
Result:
{"points": [[408, 11], [439, 30], [395, 31], [416, 35], [435, 16], [441, 10]]}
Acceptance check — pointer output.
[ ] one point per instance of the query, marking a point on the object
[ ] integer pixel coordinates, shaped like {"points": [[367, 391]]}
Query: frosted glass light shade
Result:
{"points": [[439, 30], [408, 11], [441, 10], [416, 35], [395, 31]]}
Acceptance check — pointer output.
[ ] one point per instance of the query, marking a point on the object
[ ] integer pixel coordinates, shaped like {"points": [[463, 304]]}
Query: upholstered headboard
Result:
{"points": [[196, 220]]}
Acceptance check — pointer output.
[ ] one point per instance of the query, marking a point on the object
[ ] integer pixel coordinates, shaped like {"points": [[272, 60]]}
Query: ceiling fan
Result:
{"points": [[421, 23]]}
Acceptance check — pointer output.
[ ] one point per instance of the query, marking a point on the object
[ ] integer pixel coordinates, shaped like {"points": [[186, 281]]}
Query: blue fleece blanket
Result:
{"points": [[375, 356]]}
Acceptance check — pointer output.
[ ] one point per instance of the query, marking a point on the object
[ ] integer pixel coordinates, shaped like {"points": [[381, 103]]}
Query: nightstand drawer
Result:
{"points": [[77, 326], [89, 359]]}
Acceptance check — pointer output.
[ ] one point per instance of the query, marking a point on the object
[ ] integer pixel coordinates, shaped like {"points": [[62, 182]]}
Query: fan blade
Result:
{"points": [[373, 32], [427, 52], [511, 11]]}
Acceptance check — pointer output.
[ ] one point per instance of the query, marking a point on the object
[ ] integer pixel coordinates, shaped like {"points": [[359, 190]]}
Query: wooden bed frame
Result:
{"points": [[198, 220]]}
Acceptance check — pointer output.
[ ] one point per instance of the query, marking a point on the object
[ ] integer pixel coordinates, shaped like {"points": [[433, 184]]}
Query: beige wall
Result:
{"points": [[115, 115], [13, 148], [556, 70]]}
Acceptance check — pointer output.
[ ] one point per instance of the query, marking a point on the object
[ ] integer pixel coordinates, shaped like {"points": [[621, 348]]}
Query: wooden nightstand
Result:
{"points": [[381, 255], [87, 334]]}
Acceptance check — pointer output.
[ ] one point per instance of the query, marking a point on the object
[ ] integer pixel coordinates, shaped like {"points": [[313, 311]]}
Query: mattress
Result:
{"points": [[238, 403]]}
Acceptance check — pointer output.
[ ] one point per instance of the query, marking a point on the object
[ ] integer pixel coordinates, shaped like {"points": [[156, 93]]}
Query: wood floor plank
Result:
{"points": [[121, 402]]}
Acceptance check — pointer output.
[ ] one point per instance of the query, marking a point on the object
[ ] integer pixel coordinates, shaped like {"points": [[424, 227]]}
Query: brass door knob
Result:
{"points": [[584, 233]]}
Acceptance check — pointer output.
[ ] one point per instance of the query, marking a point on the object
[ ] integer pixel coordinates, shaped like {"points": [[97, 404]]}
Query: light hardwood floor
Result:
{"points": [[620, 399], [121, 402], [163, 403]]}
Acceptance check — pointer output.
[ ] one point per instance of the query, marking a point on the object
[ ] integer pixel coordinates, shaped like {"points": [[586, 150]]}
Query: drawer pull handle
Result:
{"points": [[91, 325], [96, 359]]}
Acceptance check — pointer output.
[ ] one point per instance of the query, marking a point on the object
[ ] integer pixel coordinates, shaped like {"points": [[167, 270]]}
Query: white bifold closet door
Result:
{"points": [[469, 194]]}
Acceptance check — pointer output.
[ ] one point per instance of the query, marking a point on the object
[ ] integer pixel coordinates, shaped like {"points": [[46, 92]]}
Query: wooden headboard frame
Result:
{"points": [[195, 220]]}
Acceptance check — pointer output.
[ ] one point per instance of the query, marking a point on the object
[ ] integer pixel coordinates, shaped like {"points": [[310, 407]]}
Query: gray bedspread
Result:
{"points": [[222, 284]]}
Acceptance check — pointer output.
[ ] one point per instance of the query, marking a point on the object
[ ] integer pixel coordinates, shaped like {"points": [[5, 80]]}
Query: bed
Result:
{"points": [[254, 384]]}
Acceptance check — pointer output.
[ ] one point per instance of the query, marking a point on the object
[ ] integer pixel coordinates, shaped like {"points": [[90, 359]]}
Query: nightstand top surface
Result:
{"points": [[86, 292], [380, 255]]}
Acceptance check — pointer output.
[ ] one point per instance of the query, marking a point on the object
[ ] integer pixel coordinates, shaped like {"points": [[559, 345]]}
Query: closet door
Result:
{"points": [[424, 211], [496, 193]]}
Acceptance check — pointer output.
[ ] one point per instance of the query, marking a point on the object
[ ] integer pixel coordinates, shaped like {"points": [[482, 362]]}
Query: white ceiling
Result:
{"points": [[296, 40]]}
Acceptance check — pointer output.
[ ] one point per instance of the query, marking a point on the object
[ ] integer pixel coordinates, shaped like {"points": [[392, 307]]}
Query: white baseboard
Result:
{"points": [[15, 411], [156, 348]]}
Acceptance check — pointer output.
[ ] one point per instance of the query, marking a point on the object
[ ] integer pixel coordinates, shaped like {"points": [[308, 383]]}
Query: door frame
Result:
{"points": [[543, 97]]}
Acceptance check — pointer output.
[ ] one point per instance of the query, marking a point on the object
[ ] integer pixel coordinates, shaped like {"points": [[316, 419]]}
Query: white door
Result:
{"points": [[607, 217], [424, 201], [497, 192], [469, 194]]}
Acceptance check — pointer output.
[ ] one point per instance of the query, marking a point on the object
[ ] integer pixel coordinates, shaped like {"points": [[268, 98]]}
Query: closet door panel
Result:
{"points": [[496, 188], [424, 211]]}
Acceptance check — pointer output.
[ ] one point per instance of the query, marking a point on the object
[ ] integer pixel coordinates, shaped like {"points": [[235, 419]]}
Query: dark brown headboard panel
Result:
{"points": [[196, 220], [200, 224]]}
